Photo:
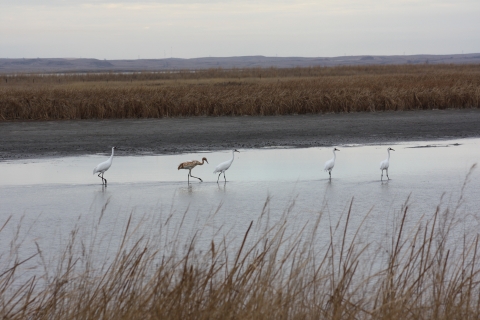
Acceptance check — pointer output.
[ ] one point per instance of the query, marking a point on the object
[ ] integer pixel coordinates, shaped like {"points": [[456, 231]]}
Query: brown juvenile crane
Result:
{"points": [[189, 165]]}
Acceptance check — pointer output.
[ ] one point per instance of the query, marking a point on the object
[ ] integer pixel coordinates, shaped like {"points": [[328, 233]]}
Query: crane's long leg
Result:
{"points": [[101, 177], [387, 174], [197, 178], [190, 173], [188, 178], [224, 176], [381, 177], [219, 176], [330, 174], [104, 179]]}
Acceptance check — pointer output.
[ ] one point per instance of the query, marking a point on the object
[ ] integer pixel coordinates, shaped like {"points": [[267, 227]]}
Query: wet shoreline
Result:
{"points": [[40, 139]]}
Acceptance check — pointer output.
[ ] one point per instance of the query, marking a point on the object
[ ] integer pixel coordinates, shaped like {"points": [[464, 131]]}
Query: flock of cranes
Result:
{"points": [[224, 166]]}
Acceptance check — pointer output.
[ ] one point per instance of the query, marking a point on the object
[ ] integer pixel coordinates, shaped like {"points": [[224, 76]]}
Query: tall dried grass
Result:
{"points": [[274, 274], [239, 92]]}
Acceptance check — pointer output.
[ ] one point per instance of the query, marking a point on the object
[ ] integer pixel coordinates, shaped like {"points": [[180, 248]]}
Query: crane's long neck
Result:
{"points": [[388, 154], [233, 156], [203, 161], [111, 157], [334, 155]]}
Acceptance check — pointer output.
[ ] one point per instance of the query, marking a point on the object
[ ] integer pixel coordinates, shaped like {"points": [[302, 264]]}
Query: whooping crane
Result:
{"points": [[385, 163], [104, 166], [222, 167], [330, 163]]}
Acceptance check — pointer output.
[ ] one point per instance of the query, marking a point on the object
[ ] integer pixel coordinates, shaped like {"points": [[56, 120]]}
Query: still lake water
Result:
{"points": [[50, 197]]}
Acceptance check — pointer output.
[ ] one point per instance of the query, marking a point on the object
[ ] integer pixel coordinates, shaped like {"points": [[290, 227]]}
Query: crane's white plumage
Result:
{"points": [[104, 166], [331, 163], [222, 167], [385, 164]]}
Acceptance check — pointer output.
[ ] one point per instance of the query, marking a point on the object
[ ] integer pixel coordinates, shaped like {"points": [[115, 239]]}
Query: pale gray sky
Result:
{"points": [[200, 28]]}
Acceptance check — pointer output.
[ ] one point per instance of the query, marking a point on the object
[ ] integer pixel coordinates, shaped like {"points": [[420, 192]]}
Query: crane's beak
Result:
{"points": [[392, 149]]}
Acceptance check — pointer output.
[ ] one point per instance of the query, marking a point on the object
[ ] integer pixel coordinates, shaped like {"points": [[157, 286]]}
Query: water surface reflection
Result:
{"points": [[52, 196]]}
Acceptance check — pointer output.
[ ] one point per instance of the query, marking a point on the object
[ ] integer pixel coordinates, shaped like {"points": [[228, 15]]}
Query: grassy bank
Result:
{"points": [[220, 92], [420, 271]]}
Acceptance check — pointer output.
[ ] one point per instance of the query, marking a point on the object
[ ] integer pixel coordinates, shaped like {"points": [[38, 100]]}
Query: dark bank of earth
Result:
{"points": [[35, 139]]}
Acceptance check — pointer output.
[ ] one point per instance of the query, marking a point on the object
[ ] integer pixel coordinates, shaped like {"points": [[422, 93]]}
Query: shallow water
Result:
{"points": [[52, 196]]}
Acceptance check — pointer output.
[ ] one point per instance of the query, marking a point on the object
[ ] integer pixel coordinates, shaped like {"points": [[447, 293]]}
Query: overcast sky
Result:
{"points": [[201, 28]]}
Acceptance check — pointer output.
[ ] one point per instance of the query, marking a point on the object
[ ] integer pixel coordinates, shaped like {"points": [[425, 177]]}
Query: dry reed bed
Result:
{"points": [[421, 274], [240, 92]]}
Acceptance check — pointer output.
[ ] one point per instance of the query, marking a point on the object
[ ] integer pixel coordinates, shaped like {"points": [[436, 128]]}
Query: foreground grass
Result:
{"points": [[239, 92], [270, 273]]}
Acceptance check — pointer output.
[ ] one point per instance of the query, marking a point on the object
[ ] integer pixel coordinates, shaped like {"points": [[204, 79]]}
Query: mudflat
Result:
{"points": [[39, 139]]}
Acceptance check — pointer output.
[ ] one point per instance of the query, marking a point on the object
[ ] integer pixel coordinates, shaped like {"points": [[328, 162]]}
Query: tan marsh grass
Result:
{"points": [[234, 92]]}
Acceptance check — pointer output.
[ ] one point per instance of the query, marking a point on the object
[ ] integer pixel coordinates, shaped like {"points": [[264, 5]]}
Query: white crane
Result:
{"points": [[222, 167], [189, 165], [104, 166], [331, 163], [385, 163]]}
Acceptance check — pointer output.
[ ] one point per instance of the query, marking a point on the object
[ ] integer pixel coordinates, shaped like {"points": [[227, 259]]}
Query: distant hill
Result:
{"points": [[56, 65]]}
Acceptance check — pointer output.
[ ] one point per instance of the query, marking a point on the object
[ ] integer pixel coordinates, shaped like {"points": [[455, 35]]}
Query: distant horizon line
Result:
{"points": [[75, 65], [249, 56]]}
